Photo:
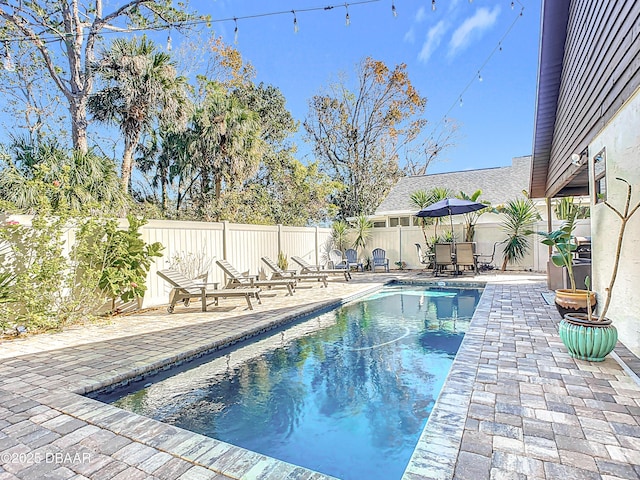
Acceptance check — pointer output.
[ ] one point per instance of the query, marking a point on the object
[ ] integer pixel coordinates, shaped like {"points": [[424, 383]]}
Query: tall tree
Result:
{"points": [[356, 135], [76, 25], [141, 88], [29, 102], [225, 147]]}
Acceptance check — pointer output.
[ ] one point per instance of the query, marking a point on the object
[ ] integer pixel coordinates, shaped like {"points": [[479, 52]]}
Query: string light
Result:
{"points": [[8, 61], [513, 4], [498, 47], [433, 5], [235, 31], [393, 9], [169, 46], [295, 22], [347, 19], [201, 20]]}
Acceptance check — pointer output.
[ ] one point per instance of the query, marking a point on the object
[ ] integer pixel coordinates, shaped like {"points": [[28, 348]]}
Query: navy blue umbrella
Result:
{"points": [[450, 206]]}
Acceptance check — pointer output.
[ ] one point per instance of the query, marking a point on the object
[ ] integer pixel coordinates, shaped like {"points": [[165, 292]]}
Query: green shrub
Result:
{"points": [[126, 259]]}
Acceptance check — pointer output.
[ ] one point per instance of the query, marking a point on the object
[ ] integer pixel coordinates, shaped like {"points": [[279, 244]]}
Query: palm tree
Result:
{"points": [[519, 214], [471, 218], [423, 198], [226, 144], [72, 180], [340, 234], [141, 87], [362, 227]]}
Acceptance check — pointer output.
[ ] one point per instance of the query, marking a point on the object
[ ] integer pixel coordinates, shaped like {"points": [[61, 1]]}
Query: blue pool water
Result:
{"points": [[346, 393]]}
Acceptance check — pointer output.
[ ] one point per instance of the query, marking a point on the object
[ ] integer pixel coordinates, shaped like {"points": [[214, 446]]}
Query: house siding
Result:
{"points": [[601, 71], [621, 138]]}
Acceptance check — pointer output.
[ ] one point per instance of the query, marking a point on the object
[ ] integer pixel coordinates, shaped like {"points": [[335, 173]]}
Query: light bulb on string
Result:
{"points": [[433, 5], [295, 22], [169, 45], [479, 77], [235, 31], [8, 61], [461, 101], [347, 18], [393, 9], [513, 4]]}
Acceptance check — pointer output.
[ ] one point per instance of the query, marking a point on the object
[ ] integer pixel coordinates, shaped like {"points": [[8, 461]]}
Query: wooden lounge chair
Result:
{"points": [[379, 259], [184, 289], [306, 267], [279, 273], [235, 279]]}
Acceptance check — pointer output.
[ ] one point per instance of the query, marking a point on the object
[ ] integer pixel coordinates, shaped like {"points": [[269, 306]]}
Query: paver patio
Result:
{"points": [[515, 406]]}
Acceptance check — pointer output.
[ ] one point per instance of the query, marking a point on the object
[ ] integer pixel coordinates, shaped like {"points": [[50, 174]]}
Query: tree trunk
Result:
{"points": [[127, 164], [78, 109]]}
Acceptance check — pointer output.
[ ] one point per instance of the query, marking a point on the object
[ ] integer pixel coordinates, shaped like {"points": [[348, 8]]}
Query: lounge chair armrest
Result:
{"points": [[251, 278]]}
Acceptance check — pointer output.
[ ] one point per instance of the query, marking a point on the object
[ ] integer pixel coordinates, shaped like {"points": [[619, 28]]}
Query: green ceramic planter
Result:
{"points": [[587, 340]]}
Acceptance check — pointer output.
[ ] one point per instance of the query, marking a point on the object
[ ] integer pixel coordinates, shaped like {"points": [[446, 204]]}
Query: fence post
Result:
{"points": [[279, 239], [225, 240], [317, 249], [400, 242]]}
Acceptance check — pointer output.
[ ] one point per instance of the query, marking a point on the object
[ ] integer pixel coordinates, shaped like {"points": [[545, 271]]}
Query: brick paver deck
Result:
{"points": [[515, 405]]}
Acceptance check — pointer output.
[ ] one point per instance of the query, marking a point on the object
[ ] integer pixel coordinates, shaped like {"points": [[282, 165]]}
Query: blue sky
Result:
{"points": [[444, 51]]}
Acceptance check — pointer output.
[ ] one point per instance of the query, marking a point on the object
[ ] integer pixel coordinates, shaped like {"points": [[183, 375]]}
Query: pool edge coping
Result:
{"points": [[426, 437]]}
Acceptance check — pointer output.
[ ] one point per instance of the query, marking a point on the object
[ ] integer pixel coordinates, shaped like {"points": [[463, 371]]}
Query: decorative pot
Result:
{"points": [[587, 339], [574, 301]]}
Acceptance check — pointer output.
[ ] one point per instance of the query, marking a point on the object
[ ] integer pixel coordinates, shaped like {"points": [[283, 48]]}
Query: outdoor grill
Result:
{"points": [[584, 248]]}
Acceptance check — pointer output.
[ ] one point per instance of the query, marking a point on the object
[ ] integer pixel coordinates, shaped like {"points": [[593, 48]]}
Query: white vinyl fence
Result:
{"points": [[244, 245], [241, 245], [399, 243]]}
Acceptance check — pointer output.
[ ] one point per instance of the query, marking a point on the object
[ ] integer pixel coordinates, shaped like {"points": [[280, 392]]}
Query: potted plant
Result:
{"points": [[588, 336], [567, 300]]}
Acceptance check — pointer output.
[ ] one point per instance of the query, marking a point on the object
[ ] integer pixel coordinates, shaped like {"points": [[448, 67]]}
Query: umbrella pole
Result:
{"points": [[453, 242], [453, 237]]}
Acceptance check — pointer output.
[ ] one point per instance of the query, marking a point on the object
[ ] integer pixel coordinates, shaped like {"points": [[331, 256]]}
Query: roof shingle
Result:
{"points": [[498, 185]]}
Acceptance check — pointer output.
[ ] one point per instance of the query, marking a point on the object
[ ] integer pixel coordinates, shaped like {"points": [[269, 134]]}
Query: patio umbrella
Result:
{"points": [[451, 207]]}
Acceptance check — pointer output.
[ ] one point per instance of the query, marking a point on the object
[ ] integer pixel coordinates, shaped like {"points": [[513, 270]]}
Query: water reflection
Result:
{"points": [[347, 393]]}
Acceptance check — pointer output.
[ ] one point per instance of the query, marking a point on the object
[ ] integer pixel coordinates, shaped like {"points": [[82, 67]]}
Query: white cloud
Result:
{"points": [[410, 36], [434, 37], [420, 15], [472, 28]]}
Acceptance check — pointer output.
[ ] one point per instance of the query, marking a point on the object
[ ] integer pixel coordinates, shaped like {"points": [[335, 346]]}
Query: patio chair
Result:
{"points": [[423, 258], [379, 259], [237, 280], [337, 260], [306, 267], [184, 289], [466, 256], [352, 259], [442, 258], [278, 273]]}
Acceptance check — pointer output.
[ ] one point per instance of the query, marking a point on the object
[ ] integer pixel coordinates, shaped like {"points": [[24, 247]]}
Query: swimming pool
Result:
{"points": [[346, 393]]}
